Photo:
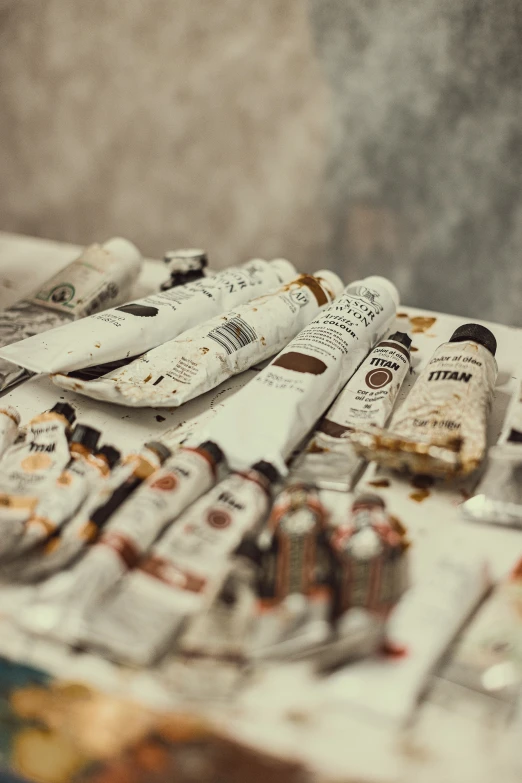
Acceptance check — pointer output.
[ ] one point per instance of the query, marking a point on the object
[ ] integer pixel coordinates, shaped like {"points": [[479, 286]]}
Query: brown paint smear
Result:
{"points": [[317, 290], [419, 496], [421, 323], [332, 428], [300, 362], [380, 483]]}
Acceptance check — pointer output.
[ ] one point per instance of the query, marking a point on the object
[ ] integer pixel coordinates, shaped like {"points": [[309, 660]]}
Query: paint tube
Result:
{"points": [[294, 586], [184, 266], [65, 498], [357, 634], [65, 545], [142, 618], [271, 415], [210, 353], [498, 498], [371, 558], [440, 430], [132, 529], [125, 332], [329, 460], [27, 468], [488, 656], [101, 276], [422, 626], [9, 423], [17, 534]]}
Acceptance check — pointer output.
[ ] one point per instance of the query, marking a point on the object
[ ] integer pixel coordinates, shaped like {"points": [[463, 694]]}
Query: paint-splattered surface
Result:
{"points": [[81, 722]]}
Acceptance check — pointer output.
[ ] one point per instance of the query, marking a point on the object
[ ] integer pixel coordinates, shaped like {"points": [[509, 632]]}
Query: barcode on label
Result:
{"points": [[233, 335]]}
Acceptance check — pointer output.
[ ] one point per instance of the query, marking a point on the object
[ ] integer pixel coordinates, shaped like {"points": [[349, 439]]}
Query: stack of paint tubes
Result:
{"points": [[226, 547]]}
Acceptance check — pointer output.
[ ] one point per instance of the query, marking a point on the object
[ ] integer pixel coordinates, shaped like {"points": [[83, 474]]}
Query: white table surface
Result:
{"points": [[455, 736]]}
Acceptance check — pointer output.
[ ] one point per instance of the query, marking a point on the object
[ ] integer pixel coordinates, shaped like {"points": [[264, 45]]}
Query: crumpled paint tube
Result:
{"points": [[9, 423], [141, 620], [498, 497], [329, 460], [440, 430], [61, 502], [129, 533], [271, 415], [206, 355], [84, 528], [15, 536], [129, 330], [29, 467], [102, 275], [422, 625]]}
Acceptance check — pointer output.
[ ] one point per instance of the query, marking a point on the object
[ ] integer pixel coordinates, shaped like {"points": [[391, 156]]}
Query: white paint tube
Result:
{"points": [[9, 423], [20, 533], [129, 533], [175, 580], [28, 468], [203, 357], [184, 266], [329, 460], [101, 276], [498, 498], [421, 626], [270, 416], [488, 657], [440, 430], [62, 500], [127, 331], [85, 527]]}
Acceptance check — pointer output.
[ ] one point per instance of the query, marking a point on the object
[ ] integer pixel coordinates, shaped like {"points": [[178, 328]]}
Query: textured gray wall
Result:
{"points": [[368, 135]]}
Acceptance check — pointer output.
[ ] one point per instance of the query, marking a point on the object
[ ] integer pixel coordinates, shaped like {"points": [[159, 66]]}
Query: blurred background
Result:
{"points": [[370, 136]]}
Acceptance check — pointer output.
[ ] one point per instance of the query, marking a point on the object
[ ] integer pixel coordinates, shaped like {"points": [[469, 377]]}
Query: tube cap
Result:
{"points": [[331, 280], [111, 454], [284, 269], [87, 436], [213, 450], [478, 334], [267, 470], [401, 337], [160, 449], [124, 249], [185, 259], [66, 410]]}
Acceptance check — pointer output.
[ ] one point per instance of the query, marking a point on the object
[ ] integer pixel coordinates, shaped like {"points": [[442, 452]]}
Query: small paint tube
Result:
{"points": [[125, 332], [132, 529], [29, 467], [421, 626], [85, 527], [9, 423], [440, 430], [272, 414], [208, 354], [57, 498], [184, 266], [101, 276], [329, 460], [140, 621], [488, 656], [371, 559], [296, 559], [498, 497]]}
